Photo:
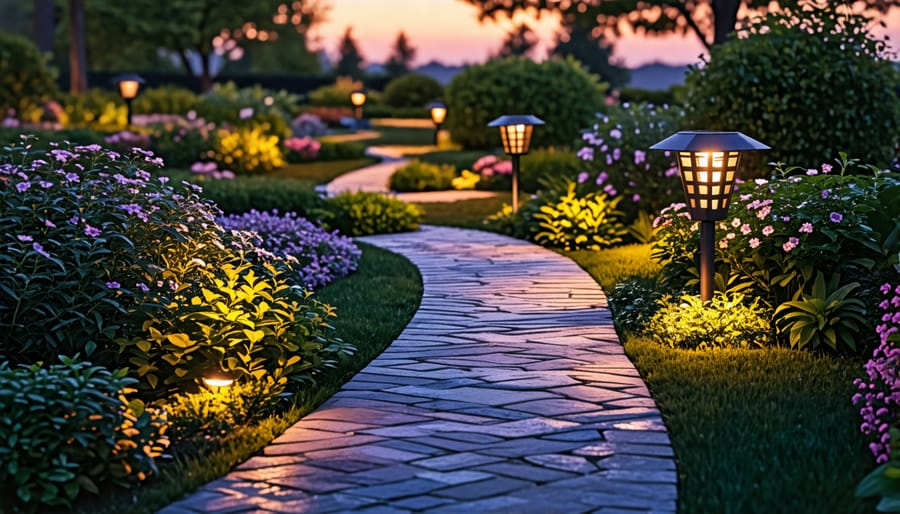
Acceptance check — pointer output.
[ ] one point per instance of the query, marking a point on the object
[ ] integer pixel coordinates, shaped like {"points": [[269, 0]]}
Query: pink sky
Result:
{"points": [[449, 31]]}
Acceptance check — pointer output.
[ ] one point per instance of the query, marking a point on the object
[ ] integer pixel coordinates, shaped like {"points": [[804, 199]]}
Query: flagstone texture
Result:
{"points": [[508, 392]]}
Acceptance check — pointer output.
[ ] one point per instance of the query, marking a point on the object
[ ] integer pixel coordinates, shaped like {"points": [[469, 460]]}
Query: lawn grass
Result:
{"points": [[373, 305], [321, 172], [464, 213], [754, 431]]}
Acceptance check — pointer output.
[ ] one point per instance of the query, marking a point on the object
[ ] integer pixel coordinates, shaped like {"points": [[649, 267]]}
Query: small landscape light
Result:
{"points": [[515, 132], [129, 85], [438, 112], [708, 162], [217, 379], [358, 99]]}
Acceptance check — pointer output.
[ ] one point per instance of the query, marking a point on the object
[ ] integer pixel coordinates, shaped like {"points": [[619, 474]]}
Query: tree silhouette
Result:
{"points": [[520, 41], [401, 59], [593, 51], [350, 61]]}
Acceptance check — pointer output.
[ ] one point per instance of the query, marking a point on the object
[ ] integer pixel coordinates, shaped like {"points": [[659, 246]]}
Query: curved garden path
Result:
{"points": [[507, 392]]}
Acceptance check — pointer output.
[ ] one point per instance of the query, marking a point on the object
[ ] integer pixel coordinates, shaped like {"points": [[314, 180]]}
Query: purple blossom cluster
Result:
{"points": [[879, 394], [126, 140], [211, 169], [318, 256]]}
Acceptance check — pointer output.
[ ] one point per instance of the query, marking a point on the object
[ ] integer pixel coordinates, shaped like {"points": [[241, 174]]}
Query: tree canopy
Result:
{"points": [[400, 61], [350, 60], [520, 41]]}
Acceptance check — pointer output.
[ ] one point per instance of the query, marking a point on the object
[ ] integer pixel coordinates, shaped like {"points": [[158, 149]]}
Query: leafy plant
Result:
{"points": [[500, 86], [825, 315], [165, 100], [576, 222], [248, 150], [68, 429], [642, 229], [422, 176], [216, 411], [334, 95], [548, 164], [726, 321], [361, 213], [635, 301], [246, 193], [787, 67], [412, 90], [95, 108], [26, 82]]}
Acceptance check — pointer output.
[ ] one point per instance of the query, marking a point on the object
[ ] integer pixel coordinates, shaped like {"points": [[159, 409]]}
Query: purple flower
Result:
{"points": [[113, 285], [806, 228], [24, 238], [91, 231], [45, 185], [40, 249], [812, 172], [582, 177], [142, 286], [835, 217], [639, 156], [72, 177], [615, 133], [825, 193], [586, 153], [635, 198], [791, 243], [23, 186], [826, 168], [601, 178], [131, 208]]}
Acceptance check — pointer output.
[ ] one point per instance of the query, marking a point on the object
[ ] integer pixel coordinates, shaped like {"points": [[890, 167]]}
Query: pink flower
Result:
{"points": [[723, 243], [812, 172], [745, 229], [791, 243], [582, 177], [826, 168], [754, 243], [736, 222], [484, 162], [503, 168], [806, 228], [768, 230]]}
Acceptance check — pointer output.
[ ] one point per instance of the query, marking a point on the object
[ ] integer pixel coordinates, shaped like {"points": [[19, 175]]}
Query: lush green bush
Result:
{"points": [[248, 150], [548, 163], [10, 136], [332, 151], [781, 235], [95, 108], [672, 96], [67, 429], [422, 176], [166, 100], [334, 95], [558, 91], [635, 301], [726, 321], [361, 214], [217, 411], [182, 142], [412, 90], [26, 82], [617, 157], [244, 194], [270, 111], [810, 82]]}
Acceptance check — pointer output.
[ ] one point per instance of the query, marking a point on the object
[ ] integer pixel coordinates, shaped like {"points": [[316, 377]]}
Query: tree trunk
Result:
{"points": [[77, 51], [43, 25], [206, 81], [724, 19]]}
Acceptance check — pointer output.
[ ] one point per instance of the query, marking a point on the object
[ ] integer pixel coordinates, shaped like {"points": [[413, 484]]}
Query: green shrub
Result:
{"points": [[166, 100], [811, 82], [181, 143], [42, 138], [67, 429], [334, 95], [248, 150], [548, 163], [216, 411], [672, 96], [244, 194], [422, 176], [781, 234], [269, 111], [558, 91], [635, 301], [95, 108], [361, 214], [332, 151], [26, 82], [726, 321], [412, 90]]}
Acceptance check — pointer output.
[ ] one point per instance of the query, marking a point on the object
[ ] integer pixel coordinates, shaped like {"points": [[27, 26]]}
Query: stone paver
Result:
{"points": [[507, 392]]}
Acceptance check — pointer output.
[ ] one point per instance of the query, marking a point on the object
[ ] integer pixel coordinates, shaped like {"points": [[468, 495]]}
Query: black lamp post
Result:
{"points": [[708, 162], [358, 98], [515, 131], [129, 84], [438, 111]]}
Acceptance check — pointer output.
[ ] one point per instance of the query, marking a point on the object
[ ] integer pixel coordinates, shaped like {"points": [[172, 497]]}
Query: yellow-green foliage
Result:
{"points": [[576, 222], [423, 176], [335, 95], [466, 180], [219, 410], [248, 150], [727, 321], [95, 108]]}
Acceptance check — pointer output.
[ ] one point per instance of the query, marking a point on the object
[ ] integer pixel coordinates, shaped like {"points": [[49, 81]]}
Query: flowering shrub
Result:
{"points": [[726, 321], [125, 140], [211, 170], [496, 175], [781, 234], [67, 429], [308, 125], [248, 150], [302, 149], [318, 256], [183, 141], [879, 402], [423, 176], [362, 214], [617, 157]]}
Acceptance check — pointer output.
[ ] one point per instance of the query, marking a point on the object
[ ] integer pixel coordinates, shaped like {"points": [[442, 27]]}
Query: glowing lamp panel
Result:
{"points": [[438, 114], [516, 138], [129, 88], [708, 179], [357, 99]]}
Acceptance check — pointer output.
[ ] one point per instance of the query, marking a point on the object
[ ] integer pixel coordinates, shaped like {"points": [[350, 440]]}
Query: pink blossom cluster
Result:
{"points": [[306, 147], [211, 169], [489, 166], [879, 396]]}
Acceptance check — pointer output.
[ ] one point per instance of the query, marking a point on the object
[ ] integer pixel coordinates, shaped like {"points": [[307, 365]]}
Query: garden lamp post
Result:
{"points": [[515, 131], [708, 162], [358, 98], [438, 111], [129, 84]]}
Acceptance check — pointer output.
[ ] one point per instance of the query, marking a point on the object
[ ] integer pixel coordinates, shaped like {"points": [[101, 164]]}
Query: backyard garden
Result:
{"points": [[175, 291]]}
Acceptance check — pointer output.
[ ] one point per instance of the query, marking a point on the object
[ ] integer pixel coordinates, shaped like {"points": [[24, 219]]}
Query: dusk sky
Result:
{"points": [[449, 31]]}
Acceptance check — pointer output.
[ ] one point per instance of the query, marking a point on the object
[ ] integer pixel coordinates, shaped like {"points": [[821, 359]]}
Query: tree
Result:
{"points": [[520, 41], [401, 59], [593, 52], [77, 48], [198, 30], [711, 21], [350, 61]]}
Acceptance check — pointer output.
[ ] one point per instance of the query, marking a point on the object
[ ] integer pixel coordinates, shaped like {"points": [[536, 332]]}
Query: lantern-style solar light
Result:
{"points": [[438, 111], [358, 98], [708, 162], [515, 131], [129, 84]]}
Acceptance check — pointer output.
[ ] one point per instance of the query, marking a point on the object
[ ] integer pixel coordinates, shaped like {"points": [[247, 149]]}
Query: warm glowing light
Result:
{"points": [[129, 88], [438, 114], [218, 379], [515, 132], [358, 98]]}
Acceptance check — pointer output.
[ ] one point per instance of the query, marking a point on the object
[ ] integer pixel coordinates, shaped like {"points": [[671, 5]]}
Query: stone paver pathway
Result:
{"points": [[507, 392]]}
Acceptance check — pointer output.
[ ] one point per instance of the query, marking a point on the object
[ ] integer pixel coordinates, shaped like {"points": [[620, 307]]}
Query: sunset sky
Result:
{"points": [[449, 31]]}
